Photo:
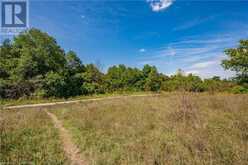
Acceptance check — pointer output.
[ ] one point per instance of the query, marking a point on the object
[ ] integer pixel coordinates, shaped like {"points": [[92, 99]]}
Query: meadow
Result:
{"points": [[172, 128], [29, 137]]}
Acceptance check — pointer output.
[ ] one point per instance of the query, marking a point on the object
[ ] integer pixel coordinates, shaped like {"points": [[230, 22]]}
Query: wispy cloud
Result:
{"points": [[200, 55], [193, 23], [210, 40], [208, 68], [210, 71], [170, 51], [184, 52], [159, 5], [202, 65], [142, 50]]}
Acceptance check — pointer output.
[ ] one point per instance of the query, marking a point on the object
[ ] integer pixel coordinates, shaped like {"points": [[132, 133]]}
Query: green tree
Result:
{"points": [[74, 63], [6, 63], [114, 78], [152, 78], [55, 85], [92, 80], [27, 60], [238, 61], [183, 82], [133, 79], [124, 78], [39, 54]]}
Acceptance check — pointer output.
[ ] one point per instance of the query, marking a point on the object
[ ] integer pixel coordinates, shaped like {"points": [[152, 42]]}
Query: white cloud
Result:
{"points": [[142, 50], [186, 53], [159, 5], [194, 72], [171, 51], [202, 65], [209, 68], [216, 40], [200, 55], [193, 23]]}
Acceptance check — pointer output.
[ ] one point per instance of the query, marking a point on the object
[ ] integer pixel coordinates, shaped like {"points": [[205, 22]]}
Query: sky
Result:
{"points": [[170, 34]]}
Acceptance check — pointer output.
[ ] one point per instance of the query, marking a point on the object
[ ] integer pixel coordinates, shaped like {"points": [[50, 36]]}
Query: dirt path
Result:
{"points": [[71, 102], [70, 148]]}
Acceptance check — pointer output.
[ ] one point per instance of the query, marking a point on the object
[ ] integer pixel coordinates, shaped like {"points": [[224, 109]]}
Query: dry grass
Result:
{"points": [[170, 129], [175, 128], [28, 137]]}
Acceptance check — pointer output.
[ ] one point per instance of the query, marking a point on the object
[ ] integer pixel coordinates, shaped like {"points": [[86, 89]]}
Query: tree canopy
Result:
{"points": [[238, 61], [34, 65]]}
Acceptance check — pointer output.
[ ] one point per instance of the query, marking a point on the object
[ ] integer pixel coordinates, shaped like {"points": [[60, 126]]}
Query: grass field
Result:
{"points": [[35, 100], [28, 137], [178, 128]]}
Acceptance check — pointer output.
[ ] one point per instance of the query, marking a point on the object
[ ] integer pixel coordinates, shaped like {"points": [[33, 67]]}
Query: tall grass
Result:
{"points": [[169, 129], [28, 137]]}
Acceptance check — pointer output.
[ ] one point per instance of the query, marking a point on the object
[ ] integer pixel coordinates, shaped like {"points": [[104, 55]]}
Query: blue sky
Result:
{"points": [[190, 35]]}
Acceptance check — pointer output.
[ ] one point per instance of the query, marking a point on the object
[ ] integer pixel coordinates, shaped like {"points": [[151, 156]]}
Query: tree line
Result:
{"points": [[34, 65]]}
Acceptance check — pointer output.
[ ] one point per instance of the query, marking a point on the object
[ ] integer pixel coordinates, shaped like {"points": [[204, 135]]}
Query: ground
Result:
{"points": [[173, 128]]}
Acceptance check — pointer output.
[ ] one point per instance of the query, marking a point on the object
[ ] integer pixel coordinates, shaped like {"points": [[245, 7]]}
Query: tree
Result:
{"points": [[74, 63], [55, 85], [194, 83], [182, 82], [27, 60], [133, 79], [39, 54], [33, 64], [124, 78], [238, 61], [92, 80], [152, 78], [148, 69], [7, 59], [114, 78]]}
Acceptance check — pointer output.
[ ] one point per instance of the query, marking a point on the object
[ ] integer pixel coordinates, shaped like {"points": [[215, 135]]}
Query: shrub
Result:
{"points": [[239, 90]]}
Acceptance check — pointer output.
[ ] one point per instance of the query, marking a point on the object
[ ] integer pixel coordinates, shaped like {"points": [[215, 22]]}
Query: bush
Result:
{"points": [[55, 85], [239, 90], [2, 88]]}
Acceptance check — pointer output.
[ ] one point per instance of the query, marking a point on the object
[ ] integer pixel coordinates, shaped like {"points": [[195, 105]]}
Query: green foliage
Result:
{"points": [[29, 137], [152, 78], [25, 62], [238, 61], [123, 78], [62, 84], [74, 64], [7, 61], [33, 64], [180, 82], [132, 79], [239, 90], [38, 54], [55, 85], [92, 80]]}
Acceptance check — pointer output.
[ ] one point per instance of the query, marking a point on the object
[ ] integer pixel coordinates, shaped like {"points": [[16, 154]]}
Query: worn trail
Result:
{"points": [[69, 147], [71, 102]]}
